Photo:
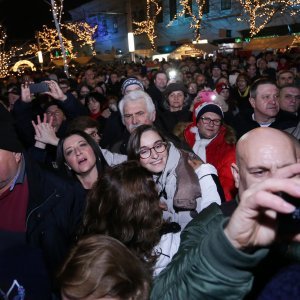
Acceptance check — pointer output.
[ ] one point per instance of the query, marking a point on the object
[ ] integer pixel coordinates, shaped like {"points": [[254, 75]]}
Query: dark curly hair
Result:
{"points": [[124, 204]]}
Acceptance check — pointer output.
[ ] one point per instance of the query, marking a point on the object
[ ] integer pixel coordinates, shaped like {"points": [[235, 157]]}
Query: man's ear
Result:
{"points": [[236, 174], [17, 156], [153, 116], [252, 102]]}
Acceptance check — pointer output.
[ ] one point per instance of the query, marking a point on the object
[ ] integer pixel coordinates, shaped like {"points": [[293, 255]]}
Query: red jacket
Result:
{"points": [[221, 155]]}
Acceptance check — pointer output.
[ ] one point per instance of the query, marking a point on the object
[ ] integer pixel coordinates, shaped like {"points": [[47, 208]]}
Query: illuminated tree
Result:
{"points": [[148, 26], [48, 42], [5, 56], [85, 33], [258, 13], [186, 9]]}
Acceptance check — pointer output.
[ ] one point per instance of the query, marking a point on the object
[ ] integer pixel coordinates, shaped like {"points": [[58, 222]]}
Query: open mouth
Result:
{"points": [[81, 161]]}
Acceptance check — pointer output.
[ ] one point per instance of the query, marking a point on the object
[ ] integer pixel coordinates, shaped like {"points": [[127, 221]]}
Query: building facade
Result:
{"points": [[219, 23]]}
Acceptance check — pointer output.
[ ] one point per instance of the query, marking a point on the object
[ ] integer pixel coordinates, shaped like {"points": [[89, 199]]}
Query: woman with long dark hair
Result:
{"points": [[124, 204], [185, 184], [81, 157]]}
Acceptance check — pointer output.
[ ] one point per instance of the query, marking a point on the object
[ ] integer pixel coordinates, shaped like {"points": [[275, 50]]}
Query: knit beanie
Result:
{"points": [[221, 86], [8, 137], [130, 81], [208, 107]]}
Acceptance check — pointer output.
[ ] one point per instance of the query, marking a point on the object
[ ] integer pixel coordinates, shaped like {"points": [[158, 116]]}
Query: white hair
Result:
{"points": [[135, 96]]}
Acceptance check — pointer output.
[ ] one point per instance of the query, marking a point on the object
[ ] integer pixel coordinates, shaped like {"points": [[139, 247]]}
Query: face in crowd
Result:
{"points": [[79, 155], [209, 125], [153, 152], [285, 78], [136, 114], [176, 100], [93, 105], [241, 83], [266, 102], [289, 99], [161, 81], [57, 114], [260, 154]]}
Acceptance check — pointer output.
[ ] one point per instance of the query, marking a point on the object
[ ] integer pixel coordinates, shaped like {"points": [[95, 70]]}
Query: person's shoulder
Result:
{"points": [[208, 215]]}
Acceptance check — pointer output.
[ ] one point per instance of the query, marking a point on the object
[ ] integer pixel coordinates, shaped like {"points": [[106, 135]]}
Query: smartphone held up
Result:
{"points": [[37, 88]]}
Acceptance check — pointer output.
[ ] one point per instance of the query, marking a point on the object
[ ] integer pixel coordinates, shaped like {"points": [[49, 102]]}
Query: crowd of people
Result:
{"points": [[123, 181]]}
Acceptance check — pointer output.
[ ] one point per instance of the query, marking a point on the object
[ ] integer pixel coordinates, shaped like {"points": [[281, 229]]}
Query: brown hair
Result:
{"points": [[100, 266], [82, 123], [125, 205], [134, 142]]}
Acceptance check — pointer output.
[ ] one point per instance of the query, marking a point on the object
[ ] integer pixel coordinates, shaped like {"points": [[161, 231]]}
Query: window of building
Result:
{"points": [[173, 8], [225, 4]]}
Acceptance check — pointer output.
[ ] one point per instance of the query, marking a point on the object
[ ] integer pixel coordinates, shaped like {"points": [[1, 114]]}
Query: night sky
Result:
{"points": [[22, 18]]}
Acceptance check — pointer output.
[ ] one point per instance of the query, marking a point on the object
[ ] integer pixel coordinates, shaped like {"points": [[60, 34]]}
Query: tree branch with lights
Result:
{"points": [[48, 42], [258, 13], [148, 26], [186, 9], [6, 56], [85, 33]]}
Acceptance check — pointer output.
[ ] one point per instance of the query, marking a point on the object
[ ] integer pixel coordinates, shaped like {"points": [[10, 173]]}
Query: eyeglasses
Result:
{"points": [[216, 122], [158, 148]]}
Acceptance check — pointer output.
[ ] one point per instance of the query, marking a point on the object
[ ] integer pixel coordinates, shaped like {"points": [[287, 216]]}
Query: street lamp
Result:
{"points": [[40, 58], [131, 47]]}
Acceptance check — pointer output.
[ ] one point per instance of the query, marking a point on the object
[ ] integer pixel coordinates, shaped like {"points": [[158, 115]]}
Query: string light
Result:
{"points": [[296, 41], [186, 9], [6, 56], [258, 13], [48, 42], [84, 33], [148, 26]]}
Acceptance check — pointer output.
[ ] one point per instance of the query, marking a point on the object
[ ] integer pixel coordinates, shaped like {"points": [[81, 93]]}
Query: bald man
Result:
{"points": [[226, 253], [261, 154]]}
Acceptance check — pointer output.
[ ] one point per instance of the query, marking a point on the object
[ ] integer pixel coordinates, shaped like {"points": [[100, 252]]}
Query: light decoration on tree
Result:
{"points": [[258, 13], [186, 9], [48, 42], [84, 32], [6, 56], [296, 41], [148, 26], [57, 11]]}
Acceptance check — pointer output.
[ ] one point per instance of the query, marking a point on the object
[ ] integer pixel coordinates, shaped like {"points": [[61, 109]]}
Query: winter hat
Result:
{"points": [[14, 89], [208, 107], [221, 86], [8, 137], [176, 86], [216, 66], [130, 81]]}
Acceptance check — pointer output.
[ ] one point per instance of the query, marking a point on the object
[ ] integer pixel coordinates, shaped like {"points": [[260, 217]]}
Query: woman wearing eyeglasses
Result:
{"points": [[214, 142], [185, 184]]}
